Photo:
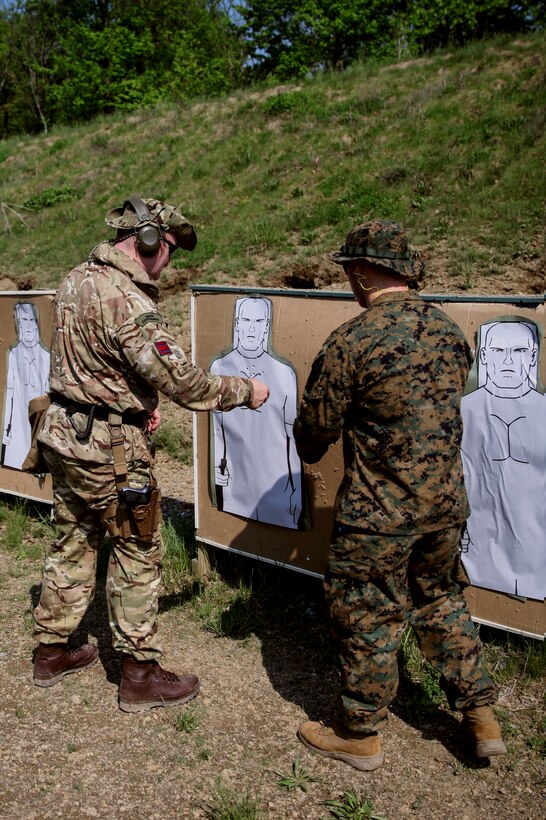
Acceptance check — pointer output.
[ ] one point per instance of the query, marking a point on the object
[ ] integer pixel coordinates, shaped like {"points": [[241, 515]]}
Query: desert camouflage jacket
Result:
{"points": [[391, 381], [111, 347]]}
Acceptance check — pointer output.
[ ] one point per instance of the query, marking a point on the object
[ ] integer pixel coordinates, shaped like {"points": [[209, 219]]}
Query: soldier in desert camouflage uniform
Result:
{"points": [[390, 381], [111, 354]]}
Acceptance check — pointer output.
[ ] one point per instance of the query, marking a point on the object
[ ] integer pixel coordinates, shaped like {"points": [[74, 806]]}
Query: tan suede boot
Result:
{"points": [[52, 662], [360, 751], [145, 684], [480, 728]]}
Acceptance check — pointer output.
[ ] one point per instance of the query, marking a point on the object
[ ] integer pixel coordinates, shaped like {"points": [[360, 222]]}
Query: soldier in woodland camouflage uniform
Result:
{"points": [[111, 355], [390, 381]]}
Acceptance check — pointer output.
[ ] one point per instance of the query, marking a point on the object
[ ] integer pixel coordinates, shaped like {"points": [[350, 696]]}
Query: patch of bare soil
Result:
{"points": [[525, 277], [68, 751], [23, 283]]}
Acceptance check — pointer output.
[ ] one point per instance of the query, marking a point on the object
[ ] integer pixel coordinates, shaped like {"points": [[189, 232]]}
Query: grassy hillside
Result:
{"points": [[450, 145]]}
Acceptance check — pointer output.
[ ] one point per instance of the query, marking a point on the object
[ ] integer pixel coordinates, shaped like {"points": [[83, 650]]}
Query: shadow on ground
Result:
{"points": [[285, 610]]}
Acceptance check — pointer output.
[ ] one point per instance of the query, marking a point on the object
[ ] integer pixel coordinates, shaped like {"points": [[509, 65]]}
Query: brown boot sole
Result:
{"points": [[45, 682], [489, 748], [363, 764], [144, 705]]}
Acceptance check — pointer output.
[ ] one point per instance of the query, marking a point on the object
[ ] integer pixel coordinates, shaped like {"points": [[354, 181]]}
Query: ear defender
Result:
{"points": [[148, 236]]}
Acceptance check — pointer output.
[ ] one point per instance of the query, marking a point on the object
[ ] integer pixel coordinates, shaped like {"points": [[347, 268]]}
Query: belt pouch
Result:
{"points": [[37, 409]]}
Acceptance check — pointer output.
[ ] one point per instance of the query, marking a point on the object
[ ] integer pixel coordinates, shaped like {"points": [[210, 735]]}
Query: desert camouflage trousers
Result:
{"points": [[378, 584], [82, 492]]}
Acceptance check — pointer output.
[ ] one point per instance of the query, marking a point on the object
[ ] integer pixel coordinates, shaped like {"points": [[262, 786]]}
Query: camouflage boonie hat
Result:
{"points": [[167, 216], [383, 243]]}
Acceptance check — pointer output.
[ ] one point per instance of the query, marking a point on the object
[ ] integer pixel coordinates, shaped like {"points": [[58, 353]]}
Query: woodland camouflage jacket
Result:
{"points": [[391, 381], [111, 347]]}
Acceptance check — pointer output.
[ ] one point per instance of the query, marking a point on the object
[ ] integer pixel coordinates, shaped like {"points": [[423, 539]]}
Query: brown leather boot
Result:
{"points": [[360, 751], [145, 684], [481, 729], [52, 662]]}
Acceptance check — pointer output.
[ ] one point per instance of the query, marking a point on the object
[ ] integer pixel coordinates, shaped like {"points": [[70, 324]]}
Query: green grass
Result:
{"points": [[420, 693], [49, 196], [25, 531], [180, 549], [175, 441], [14, 517], [297, 778], [511, 657], [229, 804], [187, 719], [537, 743], [352, 806], [451, 145], [227, 610]]}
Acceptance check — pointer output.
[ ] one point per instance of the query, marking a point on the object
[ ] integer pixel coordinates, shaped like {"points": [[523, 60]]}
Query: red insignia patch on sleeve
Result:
{"points": [[163, 348]]}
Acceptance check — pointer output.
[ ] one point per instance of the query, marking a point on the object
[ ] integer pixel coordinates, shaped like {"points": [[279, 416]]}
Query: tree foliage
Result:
{"points": [[63, 61], [69, 60], [290, 38]]}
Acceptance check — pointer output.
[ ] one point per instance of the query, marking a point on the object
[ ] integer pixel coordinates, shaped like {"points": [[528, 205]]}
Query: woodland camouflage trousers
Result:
{"points": [[82, 492], [375, 586]]}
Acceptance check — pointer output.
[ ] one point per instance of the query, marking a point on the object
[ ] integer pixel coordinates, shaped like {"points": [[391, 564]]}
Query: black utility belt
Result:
{"points": [[98, 411]]}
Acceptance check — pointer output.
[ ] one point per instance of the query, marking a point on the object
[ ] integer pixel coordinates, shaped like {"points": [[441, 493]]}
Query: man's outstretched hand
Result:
{"points": [[260, 394]]}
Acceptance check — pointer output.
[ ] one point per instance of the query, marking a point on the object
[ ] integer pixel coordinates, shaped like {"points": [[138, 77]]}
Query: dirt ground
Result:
{"points": [[527, 278], [69, 752]]}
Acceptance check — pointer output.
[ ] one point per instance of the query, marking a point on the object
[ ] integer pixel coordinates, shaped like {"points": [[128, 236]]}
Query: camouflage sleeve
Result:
{"points": [[152, 352], [326, 397]]}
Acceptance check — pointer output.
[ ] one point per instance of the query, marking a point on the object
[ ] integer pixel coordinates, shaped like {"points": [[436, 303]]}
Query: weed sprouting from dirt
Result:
{"points": [[203, 753], [187, 719], [352, 806], [537, 743], [228, 804], [297, 777]]}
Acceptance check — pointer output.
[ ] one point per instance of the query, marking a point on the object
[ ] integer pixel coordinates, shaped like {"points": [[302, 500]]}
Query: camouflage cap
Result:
{"points": [[167, 216], [383, 243]]}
